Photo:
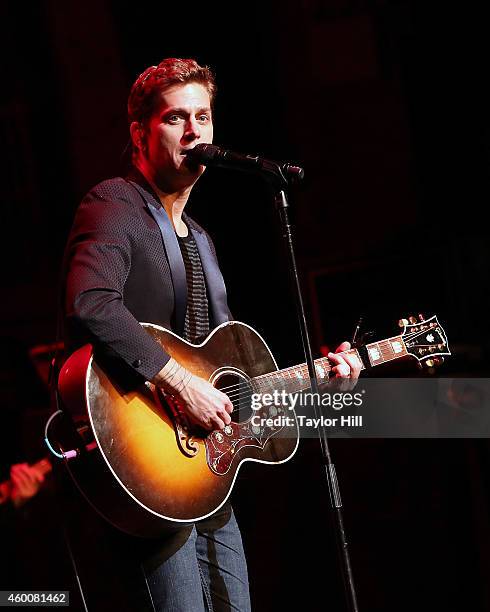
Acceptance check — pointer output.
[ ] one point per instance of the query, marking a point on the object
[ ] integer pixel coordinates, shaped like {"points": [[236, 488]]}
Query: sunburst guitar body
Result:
{"points": [[144, 470]]}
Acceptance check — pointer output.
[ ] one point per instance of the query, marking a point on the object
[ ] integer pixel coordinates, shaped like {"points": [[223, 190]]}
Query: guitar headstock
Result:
{"points": [[425, 339]]}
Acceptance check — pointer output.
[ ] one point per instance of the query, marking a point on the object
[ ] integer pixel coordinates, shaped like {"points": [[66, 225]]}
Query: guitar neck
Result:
{"points": [[296, 378]]}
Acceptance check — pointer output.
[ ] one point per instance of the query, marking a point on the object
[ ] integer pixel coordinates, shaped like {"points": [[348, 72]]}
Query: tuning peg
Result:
{"points": [[412, 320], [421, 317], [402, 322], [434, 362]]}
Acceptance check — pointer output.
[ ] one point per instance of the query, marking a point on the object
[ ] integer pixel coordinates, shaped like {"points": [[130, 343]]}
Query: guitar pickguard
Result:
{"points": [[224, 445]]}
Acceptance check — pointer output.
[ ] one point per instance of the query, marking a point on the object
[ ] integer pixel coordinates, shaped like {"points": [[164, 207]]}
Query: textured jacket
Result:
{"points": [[123, 265]]}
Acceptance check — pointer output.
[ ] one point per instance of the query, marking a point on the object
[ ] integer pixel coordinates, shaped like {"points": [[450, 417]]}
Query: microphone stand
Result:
{"points": [[278, 181]]}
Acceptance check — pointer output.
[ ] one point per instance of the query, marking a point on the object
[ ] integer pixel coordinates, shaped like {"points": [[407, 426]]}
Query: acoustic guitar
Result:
{"points": [[140, 464]]}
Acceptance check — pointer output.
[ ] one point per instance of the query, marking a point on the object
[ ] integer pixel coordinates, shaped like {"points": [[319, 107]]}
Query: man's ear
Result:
{"points": [[137, 135]]}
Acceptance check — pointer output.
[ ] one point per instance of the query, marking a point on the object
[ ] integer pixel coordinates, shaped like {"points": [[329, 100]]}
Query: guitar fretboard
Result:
{"points": [[386, 350], [297, 378]]}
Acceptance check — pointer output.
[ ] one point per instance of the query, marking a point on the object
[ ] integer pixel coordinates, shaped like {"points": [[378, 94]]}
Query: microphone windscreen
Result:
{"points": [[203, 153]]}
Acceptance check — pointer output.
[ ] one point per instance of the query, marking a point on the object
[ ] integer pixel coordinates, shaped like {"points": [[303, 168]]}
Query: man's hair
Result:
{"points": [[146, 90]]}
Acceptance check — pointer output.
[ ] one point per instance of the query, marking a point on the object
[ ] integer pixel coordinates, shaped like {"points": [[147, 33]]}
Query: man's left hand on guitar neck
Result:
{"points": [[346, 365]]}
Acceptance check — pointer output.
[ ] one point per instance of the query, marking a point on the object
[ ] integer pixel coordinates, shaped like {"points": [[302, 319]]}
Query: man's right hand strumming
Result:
{"points": [[205, 405]]}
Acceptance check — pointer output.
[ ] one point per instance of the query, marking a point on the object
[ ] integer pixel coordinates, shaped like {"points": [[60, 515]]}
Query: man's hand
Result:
{"points": [[25, 482], [346, 366], [205, 405]]}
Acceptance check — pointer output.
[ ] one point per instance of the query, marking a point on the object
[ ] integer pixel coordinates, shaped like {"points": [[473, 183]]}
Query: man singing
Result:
{"points": [[135, 255]]}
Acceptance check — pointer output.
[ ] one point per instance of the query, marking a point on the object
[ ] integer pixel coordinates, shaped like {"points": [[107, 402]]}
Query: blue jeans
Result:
{"points": [[208, 573]]}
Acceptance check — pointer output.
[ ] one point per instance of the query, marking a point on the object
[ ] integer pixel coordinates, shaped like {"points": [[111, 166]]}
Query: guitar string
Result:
{"points": [[423, 331], [280, 373], [245, 394], [229, 389], [410, 336], [327, 365], [235, 395], [253, 411], [237, 391]]}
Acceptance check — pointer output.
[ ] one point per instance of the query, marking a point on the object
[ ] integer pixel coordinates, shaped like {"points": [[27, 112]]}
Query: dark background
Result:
{"points": [[385, 104]]}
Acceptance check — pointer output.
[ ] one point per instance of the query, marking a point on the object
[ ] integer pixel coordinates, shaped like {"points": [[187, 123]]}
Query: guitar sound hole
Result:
{"points": [[239, 390]]}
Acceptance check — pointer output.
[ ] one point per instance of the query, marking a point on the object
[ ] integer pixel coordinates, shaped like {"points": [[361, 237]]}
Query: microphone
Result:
{"points": [[212, 155]]}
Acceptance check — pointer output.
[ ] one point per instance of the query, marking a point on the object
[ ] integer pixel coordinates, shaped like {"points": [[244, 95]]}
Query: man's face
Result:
{"points": [[182, 120]]}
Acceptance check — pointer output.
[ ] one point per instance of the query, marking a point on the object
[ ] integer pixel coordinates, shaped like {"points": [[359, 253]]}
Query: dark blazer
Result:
{"points": [[123, 265]]}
